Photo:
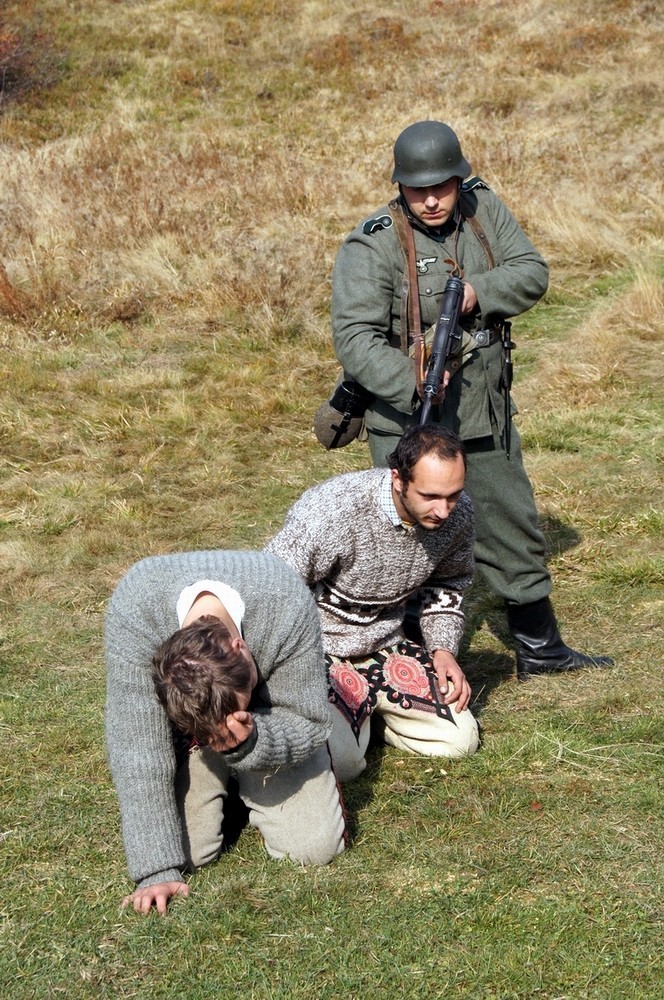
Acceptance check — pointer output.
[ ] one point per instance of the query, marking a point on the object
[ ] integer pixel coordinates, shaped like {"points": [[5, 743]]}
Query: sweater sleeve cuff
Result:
{"points": [[233, 757], [169, 875]]}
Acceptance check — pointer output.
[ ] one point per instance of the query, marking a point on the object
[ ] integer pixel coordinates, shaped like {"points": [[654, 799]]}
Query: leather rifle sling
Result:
{"points": [[411, 322]]}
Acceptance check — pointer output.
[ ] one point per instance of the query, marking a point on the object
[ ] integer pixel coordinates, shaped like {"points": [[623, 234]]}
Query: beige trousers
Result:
{"points": [[395, 687], [297, 809]]}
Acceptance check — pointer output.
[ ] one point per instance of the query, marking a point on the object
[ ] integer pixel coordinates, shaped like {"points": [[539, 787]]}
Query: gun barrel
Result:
{"points": [[426, 409]]}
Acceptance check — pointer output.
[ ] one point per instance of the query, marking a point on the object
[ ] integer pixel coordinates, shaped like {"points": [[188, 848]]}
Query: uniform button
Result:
{"points": [[428, 291]]}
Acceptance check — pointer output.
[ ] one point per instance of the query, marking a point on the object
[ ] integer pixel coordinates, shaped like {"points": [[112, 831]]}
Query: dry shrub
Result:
{"points": [[223, 204], [592, 229], [28, 61], [13, 302], [572, 49]]}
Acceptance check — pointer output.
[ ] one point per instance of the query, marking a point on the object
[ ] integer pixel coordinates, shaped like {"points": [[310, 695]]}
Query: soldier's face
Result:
{"points": [[433, 206], [432, 493]]}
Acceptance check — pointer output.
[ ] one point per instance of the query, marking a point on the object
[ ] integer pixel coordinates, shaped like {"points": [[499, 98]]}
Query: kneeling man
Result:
{"points": [[367, 544], [215, 669]]}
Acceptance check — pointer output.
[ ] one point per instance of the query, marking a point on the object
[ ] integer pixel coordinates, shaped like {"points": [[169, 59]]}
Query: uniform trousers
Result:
{"points": [[396, 689], [510, 550], [298, 809]]}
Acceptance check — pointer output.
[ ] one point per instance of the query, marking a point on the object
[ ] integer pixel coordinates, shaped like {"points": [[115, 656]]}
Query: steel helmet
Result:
{"points": [[428, 153]]}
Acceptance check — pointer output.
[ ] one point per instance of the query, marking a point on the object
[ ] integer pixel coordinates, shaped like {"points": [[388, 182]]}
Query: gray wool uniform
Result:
{"points": [[370, 280]]}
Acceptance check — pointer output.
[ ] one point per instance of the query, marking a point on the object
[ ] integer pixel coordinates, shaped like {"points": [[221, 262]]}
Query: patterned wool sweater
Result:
{"points": [[362, 567], [289, 703]]}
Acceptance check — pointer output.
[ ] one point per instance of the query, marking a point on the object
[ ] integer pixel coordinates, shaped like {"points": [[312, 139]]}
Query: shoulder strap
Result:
{"points": [[470, 217], [411, 322]]}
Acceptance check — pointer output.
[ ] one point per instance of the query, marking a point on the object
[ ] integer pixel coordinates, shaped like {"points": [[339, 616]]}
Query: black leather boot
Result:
{"points": [[539, 646]]}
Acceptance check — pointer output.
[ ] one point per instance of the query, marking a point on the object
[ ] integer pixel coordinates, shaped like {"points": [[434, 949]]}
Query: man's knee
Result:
{"points": [[202, 850], [317, 846], [466, 742], [426, 738], [298, 811]]}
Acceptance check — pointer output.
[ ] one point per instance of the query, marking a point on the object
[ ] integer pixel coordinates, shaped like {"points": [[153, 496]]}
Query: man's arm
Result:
{"points": [[290, 712], [441, 616], [521, 276], [138, 739], [363, 293], [303, 542]]}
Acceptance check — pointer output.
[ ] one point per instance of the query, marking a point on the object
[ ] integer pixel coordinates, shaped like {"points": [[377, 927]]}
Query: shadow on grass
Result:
{"points": [[559, 535], [487, 668], [359, 792], [236, 817]]}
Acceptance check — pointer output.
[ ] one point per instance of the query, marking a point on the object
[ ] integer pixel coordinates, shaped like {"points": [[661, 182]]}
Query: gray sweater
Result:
{"points": [[362, 567], [289, 703]]}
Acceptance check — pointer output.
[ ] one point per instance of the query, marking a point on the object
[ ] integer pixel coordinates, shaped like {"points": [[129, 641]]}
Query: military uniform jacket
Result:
{"points": [[370, 276]]}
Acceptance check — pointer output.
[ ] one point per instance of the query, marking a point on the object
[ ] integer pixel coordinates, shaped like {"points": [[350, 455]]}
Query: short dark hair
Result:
{"points": [[197, 676], [425, 439]]}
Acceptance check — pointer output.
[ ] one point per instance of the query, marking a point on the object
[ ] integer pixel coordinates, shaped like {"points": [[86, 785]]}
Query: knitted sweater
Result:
{"points": [[289, 703], [362, 567]]}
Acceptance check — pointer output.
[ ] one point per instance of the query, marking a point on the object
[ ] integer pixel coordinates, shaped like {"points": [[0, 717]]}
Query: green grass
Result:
{"points": [[492, 875], [531, 870], [175, 181]]}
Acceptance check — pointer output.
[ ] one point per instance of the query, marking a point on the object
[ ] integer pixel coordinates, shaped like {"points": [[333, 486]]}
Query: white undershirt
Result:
{"points": [[230, 599]]}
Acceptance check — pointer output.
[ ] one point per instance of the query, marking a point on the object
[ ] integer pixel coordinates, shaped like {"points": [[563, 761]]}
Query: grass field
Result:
{"points": [[175, 180]]}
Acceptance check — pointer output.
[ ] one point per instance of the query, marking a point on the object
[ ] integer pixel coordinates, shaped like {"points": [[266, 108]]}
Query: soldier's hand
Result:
{"points": [[440, 395], [469, 303]]}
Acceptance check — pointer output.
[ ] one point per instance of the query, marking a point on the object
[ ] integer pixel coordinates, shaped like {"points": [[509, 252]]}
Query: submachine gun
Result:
{"points": [[444, 336]]}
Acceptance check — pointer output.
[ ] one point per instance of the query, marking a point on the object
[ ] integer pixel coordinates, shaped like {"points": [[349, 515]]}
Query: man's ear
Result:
{"points": [[397, 482]]}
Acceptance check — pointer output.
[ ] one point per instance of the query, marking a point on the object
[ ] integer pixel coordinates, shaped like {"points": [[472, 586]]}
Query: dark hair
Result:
{"points": [[197, 676], [425, 439]]}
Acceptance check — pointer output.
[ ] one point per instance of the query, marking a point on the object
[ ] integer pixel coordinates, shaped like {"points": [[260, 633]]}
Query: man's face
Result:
{"points": [[434, 205], [240, 645], [433, 492], [224, 739]]}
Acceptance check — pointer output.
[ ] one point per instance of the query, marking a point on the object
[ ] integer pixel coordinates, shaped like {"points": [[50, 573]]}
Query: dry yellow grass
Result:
{"points": [[240, 183]]}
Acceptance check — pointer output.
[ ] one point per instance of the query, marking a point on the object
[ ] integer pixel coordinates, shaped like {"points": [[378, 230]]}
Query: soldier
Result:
{"points": [[387, 286]]}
